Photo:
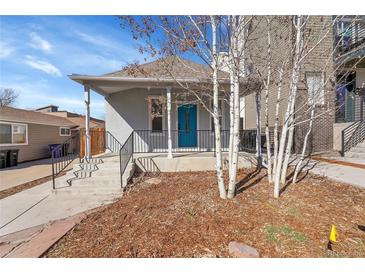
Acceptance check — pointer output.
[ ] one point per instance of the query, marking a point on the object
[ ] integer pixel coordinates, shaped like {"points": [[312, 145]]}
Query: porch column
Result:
{"points": [[87, 121], [169, 141]]}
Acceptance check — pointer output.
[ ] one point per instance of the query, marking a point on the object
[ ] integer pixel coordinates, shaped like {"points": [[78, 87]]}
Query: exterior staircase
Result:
{"points": [[357, 151], [99, 177]]}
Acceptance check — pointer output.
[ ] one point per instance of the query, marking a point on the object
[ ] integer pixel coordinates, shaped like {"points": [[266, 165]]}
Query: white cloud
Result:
{"points": [[5, 50], [42, 65], [90, 60], [96, 40], [38, 42], [40, 92]]}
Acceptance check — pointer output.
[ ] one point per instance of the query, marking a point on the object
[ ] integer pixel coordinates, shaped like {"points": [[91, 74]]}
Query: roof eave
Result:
{"points": [[84, 78]]}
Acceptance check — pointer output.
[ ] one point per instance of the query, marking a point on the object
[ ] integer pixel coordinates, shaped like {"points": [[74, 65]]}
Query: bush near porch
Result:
{"points": [[182, 216]]}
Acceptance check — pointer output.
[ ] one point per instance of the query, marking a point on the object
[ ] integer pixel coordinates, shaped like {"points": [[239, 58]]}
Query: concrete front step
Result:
{"points": [[352, 154], [86, 166], [98, 177], [110, 159], [108, 192], [91, 181], [362, 145], [358, 149]]}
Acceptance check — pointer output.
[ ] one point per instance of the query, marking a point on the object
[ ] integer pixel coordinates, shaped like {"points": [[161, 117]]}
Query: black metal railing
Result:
{"points": [[62, 155], [353, 135], [351, 37], [147, 141], [125, 155], [111, 142]]}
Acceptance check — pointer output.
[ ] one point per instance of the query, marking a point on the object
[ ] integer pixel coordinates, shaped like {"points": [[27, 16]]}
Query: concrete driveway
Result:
{"points": [[24, 173]]}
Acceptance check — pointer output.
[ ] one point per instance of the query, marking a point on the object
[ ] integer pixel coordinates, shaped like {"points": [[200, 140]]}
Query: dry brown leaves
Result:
{"points": [[183, 216]]}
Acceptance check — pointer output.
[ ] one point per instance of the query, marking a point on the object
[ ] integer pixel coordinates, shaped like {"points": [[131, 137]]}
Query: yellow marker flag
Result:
{"points": [[333, 234]]}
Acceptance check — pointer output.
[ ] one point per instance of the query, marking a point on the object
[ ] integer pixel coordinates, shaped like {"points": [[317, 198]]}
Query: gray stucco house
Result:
{"points": [[136, 101]]}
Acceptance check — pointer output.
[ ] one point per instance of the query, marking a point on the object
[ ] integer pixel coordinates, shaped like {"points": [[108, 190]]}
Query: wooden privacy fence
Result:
{"points": [[97, 142]]}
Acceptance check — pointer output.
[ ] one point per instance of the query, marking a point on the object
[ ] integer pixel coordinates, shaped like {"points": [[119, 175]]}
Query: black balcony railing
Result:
{"points": [[350, 37]]}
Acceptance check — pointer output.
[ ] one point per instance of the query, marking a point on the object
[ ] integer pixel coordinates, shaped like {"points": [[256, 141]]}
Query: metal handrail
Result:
{"points": [[63, 154], [352, 135], [125, 155], [146, 141], [111, 142]]}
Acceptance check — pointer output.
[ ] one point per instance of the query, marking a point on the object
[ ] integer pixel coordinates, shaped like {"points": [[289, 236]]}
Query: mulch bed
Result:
{"points": [[13, 190], [183, 216]]}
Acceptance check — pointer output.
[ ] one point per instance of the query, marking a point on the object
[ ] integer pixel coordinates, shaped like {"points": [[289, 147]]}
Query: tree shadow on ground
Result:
{"points": [[243, 185], [301, 175]]}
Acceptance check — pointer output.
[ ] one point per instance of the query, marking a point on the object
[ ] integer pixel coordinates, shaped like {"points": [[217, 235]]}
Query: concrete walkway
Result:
{"points": [[24, 173], [35, 241], [40, 205], [342, 173]]}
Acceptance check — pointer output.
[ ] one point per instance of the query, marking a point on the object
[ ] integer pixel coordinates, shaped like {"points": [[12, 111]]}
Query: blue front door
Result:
{"points": [[187, 120]]}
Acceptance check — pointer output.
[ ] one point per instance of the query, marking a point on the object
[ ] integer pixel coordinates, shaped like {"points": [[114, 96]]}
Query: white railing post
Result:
{"points": [[169, 141], [87, 122]]}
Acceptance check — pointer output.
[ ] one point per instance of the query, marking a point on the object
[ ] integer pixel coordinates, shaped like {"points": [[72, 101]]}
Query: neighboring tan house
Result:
{"points": [[31, 132], [75, 118]]}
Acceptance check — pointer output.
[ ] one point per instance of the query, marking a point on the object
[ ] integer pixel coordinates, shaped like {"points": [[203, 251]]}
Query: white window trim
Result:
{"points": [[222, 115], [17, 124], [65, 134], [150, 116]]}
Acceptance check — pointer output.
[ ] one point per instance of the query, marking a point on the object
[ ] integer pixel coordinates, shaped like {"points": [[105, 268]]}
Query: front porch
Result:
{"points": [[188, 161]]}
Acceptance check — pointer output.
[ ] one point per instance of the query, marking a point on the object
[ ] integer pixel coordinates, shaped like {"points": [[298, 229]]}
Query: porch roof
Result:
{"points": [[172, 71]]}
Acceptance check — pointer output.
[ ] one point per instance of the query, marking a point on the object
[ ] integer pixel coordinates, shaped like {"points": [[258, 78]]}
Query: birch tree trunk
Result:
{"points": [[287, 154], [235, 69], [258, 129], [285, 145], [217, 130], [276, 126], [236, 140], [302, 156], [169, 141], [267, 130], [231, 115]]}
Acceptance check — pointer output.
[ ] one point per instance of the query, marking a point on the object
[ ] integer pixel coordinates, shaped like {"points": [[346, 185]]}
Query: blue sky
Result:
{"points": [[38, 52]]}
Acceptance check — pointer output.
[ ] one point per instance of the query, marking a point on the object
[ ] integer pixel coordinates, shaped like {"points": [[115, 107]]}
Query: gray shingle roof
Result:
{"points": [[11, 114], [168, 68]]}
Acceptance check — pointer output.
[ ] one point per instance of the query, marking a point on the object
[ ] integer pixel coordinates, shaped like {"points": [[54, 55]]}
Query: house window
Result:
{"points": [[220, 112], [13, 134], [315, 86], [65, 131], [156, 115]]}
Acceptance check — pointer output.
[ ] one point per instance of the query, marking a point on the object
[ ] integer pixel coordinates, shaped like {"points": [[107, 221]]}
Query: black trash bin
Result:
{"points": [[13, 157], [3, 158]]}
